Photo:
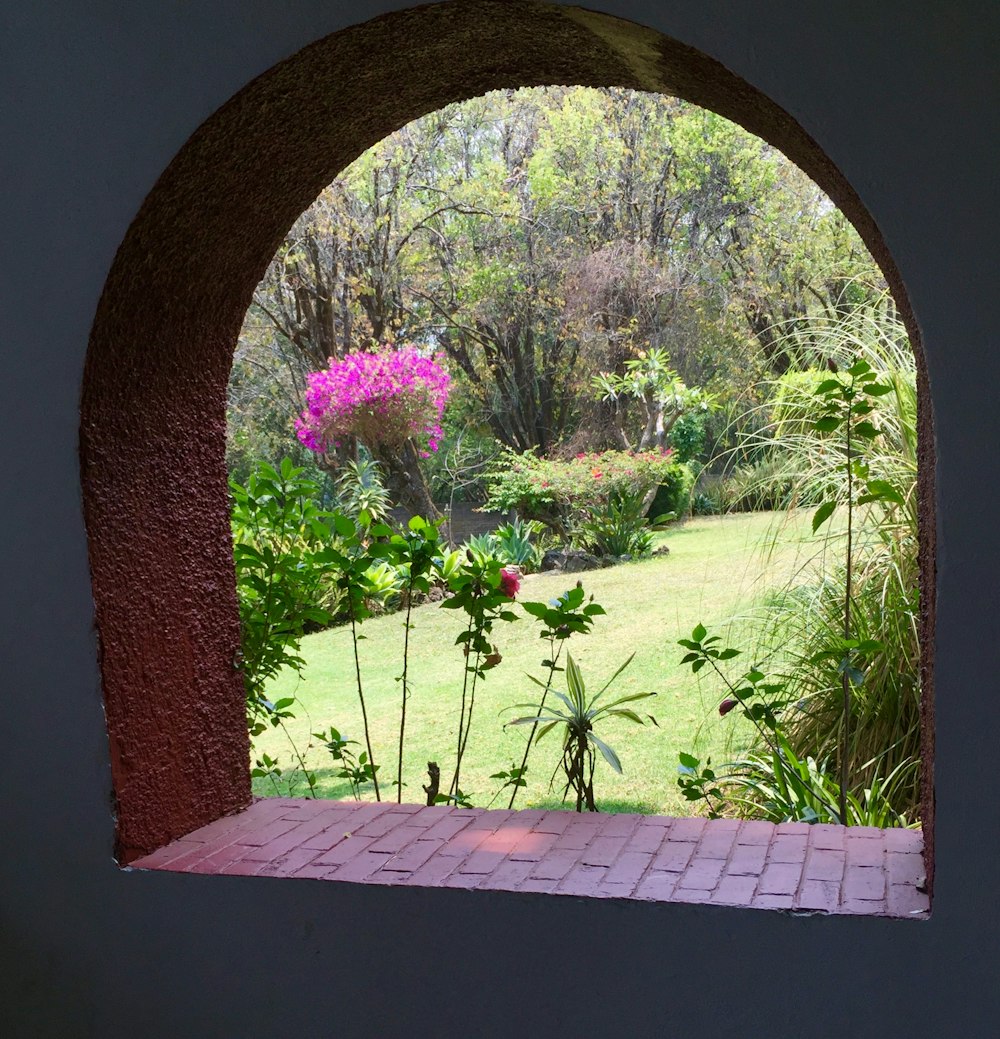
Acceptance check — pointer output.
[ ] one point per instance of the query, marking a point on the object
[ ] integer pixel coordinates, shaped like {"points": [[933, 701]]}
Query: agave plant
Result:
{"points": [[577, 721]]}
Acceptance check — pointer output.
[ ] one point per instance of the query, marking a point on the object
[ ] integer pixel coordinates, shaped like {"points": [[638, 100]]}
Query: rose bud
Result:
{"points": [[726, 706]]}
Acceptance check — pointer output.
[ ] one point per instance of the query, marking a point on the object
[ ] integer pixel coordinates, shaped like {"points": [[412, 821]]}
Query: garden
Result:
{"points": [[662, 369]]}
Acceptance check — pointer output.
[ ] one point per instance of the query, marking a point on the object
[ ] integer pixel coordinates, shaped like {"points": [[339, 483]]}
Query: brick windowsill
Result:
{"points": [[653, 858]]}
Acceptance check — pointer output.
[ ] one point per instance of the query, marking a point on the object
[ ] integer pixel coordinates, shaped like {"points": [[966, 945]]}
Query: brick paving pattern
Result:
{"points": [[792, 866]]}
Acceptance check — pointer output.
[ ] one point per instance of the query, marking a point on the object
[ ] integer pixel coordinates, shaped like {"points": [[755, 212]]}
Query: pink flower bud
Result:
{"points": [[510, 582], [726, 706]]}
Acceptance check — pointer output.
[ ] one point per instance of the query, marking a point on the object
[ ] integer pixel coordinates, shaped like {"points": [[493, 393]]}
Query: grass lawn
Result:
{"points": [[715, 570]]}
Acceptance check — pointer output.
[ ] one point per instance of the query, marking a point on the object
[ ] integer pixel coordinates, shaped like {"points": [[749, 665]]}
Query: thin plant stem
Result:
{"points": [[361, 697], [461, 713], [468, 724], [845, 677], [554, 660], [406, 662], [310, 779]]}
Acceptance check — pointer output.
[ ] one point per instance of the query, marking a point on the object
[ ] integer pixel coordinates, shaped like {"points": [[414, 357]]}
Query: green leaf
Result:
{"points": [[609, 755], [822, 514], [826, 424], [699, 633]]}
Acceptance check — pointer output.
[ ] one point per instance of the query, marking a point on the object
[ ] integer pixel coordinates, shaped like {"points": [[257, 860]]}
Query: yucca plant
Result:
{"points": [[577, 721]]}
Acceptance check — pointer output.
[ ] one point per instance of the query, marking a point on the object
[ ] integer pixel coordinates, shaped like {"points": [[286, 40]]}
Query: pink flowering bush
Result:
{"points": [[386, 398]]}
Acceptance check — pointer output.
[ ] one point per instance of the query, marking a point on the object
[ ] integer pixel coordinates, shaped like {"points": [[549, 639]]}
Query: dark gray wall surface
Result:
{"points": [[97, 98]]}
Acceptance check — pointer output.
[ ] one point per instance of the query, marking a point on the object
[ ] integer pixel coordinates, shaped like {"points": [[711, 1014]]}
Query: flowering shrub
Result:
{"points": [[385, 398], [562, 493]]}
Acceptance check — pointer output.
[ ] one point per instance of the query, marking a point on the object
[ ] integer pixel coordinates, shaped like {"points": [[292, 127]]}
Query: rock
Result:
{"points": [[661, 551], [572, 561]]}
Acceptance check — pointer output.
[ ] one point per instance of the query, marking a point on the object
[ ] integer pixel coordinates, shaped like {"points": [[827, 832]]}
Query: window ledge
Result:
{"points": [[792, 866]]}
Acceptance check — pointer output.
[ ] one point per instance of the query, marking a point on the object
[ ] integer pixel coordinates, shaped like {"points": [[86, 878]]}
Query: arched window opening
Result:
{"points": [[152, 434]]}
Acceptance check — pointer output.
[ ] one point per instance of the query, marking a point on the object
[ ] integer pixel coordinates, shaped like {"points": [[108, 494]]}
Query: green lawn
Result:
{"points": [[715, 569]]}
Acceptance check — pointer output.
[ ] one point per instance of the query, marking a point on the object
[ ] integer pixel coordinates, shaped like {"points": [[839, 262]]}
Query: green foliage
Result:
{"points": [[618, 527], [360, 488], [355, 768], [563, 494], [279, 537], [673, 492], [688, 436], [577, 722]]}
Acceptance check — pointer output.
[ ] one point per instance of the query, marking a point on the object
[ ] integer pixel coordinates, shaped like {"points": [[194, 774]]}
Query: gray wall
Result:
{"points": [[97, 99]]}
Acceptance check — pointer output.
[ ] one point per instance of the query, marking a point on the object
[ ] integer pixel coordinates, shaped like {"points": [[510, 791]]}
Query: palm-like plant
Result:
{"points": [[580, 743]]}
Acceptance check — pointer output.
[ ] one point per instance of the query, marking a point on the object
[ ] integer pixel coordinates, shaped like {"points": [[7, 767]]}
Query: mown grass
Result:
{"points": [[716, 568]]}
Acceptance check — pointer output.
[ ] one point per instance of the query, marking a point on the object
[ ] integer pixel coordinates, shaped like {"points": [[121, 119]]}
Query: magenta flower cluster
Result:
{"points": [[385, 397]]}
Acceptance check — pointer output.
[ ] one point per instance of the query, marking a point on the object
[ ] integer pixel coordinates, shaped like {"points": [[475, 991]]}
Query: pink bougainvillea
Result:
{"points": [[385, 397]]}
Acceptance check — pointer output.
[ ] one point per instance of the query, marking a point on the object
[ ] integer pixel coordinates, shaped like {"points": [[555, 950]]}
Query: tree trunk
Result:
{"points": [[404, 480]]}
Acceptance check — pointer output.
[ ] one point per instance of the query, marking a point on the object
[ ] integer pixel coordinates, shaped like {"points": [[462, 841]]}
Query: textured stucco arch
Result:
{"points": [[153, 409]]}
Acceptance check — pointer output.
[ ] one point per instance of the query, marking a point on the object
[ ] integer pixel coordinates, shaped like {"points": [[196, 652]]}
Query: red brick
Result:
{"points": [[703, 874], [338, 827], [619, 825], [261, 835], [824, 835], [603, 851], [657, 887], [690, 894], [863, 907], [541, 885], [241, 868], [735, 891], [825, 865], [787, 849], [780, 878], [399, 838], [413, 856], [508, 876], [772, 902], [577, 836], [433, 872], [864, 852], [872, 833], [554, 822], [905, 900], [482, 862], [793, 829], [293, 838], [716, 844], [533, 846], [447, 827], [819, 895], [687, 829], [556, 864], [583, 880], [462, 844], [629, 867], [905, 868], [313, 872], [673, 857], [463, 880], [648, 837], [406, 809], [286, 865], [865, 882], [196, 853], [218, 859], [483, 820], [756, 831], [747, 860], [360, 867], [344, 850], [163, 856], [381, 824], [899, 839]]}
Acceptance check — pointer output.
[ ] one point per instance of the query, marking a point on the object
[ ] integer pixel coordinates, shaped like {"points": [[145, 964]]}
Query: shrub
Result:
{"points": [[617, 528], [562, 494], [673, 494]]}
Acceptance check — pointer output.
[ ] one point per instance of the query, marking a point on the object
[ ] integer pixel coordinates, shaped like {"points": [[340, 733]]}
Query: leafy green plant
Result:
{"points": [[517, 544], [361, 488], [484, 591], [577, 721], [559, 619], [357, 769], [618, 527], [413, 552]]}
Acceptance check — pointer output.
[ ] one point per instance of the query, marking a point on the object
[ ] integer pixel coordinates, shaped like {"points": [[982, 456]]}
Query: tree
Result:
{"points": [[392, 400]]}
